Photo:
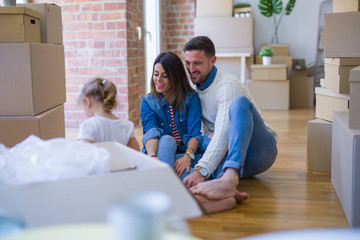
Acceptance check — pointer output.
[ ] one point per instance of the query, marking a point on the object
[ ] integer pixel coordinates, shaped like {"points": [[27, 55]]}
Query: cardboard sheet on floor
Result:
{"points": [[86, 199]]}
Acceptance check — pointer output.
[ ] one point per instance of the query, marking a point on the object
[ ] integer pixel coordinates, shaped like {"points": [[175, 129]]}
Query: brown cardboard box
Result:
{"points": [[238, 38], [328, 101], [280, 49], [50, 21], [49, 124], [278, 60], [19, 24], [270, 95], [271, 72], [354, 115], [346, 6], [318, 157], [342, 34], [337, 72], [214, 8], [32, 78], [302, 92]]}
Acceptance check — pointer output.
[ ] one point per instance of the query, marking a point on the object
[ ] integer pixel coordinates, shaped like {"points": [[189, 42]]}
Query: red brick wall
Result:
{"points": [[100, 39], [180, 24]]}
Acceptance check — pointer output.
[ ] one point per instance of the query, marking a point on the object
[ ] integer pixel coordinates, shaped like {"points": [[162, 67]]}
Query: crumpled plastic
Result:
{"points": [[37, 160]]}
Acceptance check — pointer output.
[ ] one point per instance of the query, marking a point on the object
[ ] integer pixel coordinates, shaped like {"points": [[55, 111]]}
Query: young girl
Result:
{"points": [[98, 97]]}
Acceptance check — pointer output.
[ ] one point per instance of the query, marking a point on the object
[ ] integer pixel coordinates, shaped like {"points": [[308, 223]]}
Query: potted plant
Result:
{"points": [[270, 8], [266, 53], [242, 9]]}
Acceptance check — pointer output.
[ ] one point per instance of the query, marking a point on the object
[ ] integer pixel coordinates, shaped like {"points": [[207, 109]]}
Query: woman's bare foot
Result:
{"points": [[241, 196], [221, 188], [214, 206]]}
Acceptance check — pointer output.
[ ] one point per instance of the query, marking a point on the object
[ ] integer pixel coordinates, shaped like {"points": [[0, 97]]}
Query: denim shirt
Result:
{"points": [[156, 119]]}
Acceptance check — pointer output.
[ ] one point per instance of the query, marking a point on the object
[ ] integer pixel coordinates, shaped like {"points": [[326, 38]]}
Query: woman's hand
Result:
{"points": [[182, 164]]}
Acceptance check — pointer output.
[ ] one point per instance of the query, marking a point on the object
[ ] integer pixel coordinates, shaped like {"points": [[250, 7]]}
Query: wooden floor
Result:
{"points": [[285, 197]]}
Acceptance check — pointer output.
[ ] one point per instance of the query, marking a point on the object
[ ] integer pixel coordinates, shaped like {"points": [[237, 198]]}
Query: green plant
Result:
{"points": [[266, 52], [270, 8], [242, 5]]}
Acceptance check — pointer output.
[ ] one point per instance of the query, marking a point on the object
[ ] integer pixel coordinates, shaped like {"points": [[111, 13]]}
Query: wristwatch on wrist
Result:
{"points": [[203, 171], [191, 155]]}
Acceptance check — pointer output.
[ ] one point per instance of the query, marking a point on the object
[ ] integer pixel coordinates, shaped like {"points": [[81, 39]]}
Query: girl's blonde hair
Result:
{"points": [[102, 91]]}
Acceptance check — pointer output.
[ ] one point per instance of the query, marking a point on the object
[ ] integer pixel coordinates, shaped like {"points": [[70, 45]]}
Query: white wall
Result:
{"points": [[299, 29]]}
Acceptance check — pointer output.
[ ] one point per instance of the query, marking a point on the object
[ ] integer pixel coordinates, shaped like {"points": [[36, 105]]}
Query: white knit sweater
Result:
{"points": [[215, 103]]}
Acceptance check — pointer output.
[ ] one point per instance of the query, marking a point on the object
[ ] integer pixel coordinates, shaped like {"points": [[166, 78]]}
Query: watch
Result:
{"points": [[191, 155], [203, 171]]}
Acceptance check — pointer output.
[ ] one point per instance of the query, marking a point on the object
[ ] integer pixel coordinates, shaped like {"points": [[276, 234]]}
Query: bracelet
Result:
{"points": [[153, 155], [190, 149]]}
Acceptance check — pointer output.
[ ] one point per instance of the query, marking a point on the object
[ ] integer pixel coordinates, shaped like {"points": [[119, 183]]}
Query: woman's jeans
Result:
{"points": [[251, 148]]}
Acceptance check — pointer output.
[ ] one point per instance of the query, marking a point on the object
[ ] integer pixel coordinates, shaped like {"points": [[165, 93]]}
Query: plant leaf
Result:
{"points": [[270, 7], [289, 6]]}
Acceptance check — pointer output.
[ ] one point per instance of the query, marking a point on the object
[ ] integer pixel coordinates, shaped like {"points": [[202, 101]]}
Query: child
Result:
{"points": [[98, 97]]}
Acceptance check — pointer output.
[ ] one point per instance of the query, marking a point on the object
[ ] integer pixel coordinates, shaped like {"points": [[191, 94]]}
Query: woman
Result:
{"points": [[170, 115]]}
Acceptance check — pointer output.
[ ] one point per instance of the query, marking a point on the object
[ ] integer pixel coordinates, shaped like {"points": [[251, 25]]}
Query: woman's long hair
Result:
{"points": [[175, 72]]}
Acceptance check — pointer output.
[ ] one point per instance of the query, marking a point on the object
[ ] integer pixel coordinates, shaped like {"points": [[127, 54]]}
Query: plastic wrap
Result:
{"points": [[36, 160]]}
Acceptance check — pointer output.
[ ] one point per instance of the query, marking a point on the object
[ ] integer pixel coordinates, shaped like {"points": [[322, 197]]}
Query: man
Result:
{"points": [[239, 142]]}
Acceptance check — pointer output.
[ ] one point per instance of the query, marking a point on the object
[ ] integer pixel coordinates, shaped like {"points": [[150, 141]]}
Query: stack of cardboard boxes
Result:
{"points": [[32, 69], [269, 84], [340, 88]]}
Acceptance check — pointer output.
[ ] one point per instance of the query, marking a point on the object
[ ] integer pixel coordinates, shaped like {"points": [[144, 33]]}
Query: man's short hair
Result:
{"points": [[201, 43]]}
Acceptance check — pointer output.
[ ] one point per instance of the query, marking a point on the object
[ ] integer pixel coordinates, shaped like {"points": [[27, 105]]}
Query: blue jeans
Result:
{"points": [[167, 152], [251, 150]]}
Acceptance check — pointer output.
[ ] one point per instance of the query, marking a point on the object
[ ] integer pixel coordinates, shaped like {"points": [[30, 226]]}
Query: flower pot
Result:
{"points": [[266, 60]]}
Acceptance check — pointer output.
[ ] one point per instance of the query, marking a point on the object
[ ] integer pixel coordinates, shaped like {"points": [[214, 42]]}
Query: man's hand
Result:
{"points": [[182, 164], [193, 179]]}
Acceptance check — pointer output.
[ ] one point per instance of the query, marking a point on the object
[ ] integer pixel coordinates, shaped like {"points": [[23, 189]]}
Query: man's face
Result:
{"points": [[198, 65]]}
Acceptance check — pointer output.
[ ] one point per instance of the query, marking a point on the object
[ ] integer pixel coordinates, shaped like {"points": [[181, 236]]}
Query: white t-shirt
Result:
{"points": [[101, 129]]}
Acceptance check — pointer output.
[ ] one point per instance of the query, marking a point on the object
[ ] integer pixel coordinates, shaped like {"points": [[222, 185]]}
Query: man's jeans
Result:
{"points": [[251, 150]]}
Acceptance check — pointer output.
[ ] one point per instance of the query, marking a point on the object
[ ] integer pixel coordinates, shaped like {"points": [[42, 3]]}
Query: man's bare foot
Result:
{"points": [[222, 188], [214, 206], [241, 196]]}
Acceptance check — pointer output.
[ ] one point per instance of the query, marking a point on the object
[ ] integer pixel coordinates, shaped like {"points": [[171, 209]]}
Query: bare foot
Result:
{"points": [[214, 206], [241, 196], [222, 188]]}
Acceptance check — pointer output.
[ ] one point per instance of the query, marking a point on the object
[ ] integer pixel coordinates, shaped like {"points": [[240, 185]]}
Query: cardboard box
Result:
{"points": [[19, 24], [270, 95], [318, 157], [342, 34], [50, 21], [238, 38], [278, 60], [214, 8], [354, 110], [337, 72], [32, 78], [302, 92], [271, 72], [345, 167], [346, 6], [49, 124], [280, 49], [87, 199], [328, 101]]}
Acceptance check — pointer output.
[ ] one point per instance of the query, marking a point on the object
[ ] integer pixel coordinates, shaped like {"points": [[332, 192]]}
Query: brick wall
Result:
{"points": [[180, 16], [100, 39]]}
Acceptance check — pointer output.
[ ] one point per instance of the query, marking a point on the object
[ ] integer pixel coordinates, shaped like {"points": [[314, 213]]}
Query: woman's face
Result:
{"points": [[161, 81]]}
